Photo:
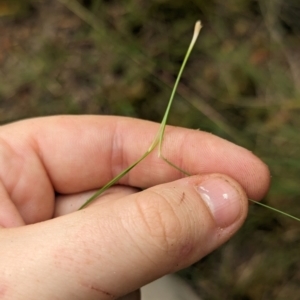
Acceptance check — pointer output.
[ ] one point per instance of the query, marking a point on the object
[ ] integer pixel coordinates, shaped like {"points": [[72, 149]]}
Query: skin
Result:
{"points": [[154, 223]]}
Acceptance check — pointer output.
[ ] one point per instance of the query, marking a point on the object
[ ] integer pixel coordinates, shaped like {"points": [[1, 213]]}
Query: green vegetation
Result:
{"points": [[242, 83]]}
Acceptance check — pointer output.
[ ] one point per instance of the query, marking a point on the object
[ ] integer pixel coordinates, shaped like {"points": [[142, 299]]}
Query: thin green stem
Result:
{"points": [[197, 29], [274, 209], [114, 180]]}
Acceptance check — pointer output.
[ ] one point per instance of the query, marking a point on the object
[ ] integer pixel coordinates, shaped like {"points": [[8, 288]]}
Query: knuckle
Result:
{"points": [[159, 220]]}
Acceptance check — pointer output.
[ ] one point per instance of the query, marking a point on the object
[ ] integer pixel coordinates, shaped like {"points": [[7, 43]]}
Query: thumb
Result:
{"points": [[113, 248]]}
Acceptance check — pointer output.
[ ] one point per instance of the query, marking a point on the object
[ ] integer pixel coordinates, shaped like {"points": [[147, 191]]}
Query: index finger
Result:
{"points": [[71, 154]]}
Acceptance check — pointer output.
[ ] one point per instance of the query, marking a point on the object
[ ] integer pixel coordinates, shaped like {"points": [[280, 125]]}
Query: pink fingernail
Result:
{"points": [[222, 198]]}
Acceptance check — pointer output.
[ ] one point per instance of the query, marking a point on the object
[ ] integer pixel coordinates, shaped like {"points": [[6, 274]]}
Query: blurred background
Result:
{"points": [[242, 83]]}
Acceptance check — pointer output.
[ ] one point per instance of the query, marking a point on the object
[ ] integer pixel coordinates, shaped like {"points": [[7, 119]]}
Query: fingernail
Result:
{"points": [[222, 199]]}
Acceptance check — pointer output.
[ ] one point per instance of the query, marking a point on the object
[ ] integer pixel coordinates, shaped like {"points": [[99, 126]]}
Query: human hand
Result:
{"points": [[49, 167]]}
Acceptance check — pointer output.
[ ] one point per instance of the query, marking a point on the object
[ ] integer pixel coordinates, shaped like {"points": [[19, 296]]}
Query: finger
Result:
{"points": [[73, 154], [24, 178], [66, 204], [110, 250], [9, 214]]}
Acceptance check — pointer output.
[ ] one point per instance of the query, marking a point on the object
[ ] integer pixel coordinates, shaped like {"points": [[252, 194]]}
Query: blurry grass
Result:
{"points": [[240, 83]]}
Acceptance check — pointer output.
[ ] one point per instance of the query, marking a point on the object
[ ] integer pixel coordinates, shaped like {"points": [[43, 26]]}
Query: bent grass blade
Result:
{"points": [[158, 140], [160, 133]]}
